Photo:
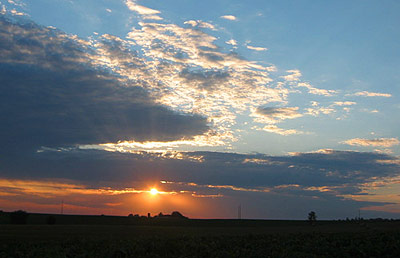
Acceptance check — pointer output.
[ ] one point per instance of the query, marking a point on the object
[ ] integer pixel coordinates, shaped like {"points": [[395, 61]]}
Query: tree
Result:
{"points": [[18, 217], [177, 214], [312, 217]]}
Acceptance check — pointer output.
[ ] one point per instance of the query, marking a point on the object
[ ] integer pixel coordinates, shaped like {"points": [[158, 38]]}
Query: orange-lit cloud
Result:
{"points": [[257, 48], [379, 142], [200, 24], [80, 199], [277, 130], [229, 17], [50, 188], [372, 94]]}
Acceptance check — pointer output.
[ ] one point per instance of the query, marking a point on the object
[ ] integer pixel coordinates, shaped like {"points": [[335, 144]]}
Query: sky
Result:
{"points": [[281, 107]]}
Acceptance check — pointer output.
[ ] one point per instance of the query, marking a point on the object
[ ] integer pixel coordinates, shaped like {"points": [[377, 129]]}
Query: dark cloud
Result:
{"points": [[341, 171], [51, 96], [275, 113], [269, 187]]}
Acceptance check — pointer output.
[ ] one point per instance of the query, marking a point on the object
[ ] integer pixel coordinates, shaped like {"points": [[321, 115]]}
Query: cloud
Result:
{"points": [[344, 103], [17, 13], [274, 114], [313, 90], [317, 169], [212, 82], [208, 80], [200, 24], [277, 130], [316, 111], [133, 6], [152, 17], [54, 96], [53, 188], [308, 177], [231, 42], [293, 76], [379, 142], [153, 59], [16, 3], [229, 17], [257, 48], [372, 94]]}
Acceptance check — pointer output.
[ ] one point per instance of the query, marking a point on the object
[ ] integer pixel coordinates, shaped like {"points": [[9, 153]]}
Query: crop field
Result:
{"points": [[201, 238]]}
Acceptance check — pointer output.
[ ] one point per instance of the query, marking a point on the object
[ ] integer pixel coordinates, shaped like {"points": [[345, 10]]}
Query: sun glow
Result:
{"points": [[154, 191]]}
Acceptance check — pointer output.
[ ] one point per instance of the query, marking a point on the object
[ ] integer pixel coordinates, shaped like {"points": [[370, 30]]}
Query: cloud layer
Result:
{"points": [[54, 96], [379, 142], [327, 175]]}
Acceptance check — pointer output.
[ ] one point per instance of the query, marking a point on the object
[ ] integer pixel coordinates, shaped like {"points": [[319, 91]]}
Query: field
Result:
{"points": [[106, 236]]}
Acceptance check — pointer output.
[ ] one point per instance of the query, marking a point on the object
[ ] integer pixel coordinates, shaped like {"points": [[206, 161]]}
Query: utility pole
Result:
{"points": [[240, 211]]}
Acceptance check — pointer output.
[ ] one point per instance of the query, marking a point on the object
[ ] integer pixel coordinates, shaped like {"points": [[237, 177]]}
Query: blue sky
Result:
{"points": [[268, 85]]}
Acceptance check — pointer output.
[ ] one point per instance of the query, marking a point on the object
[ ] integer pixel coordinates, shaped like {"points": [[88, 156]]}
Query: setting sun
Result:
{"points": [[154, 191]]}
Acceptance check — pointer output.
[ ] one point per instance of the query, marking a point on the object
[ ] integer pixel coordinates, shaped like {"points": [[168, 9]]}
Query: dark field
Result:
{"points": [[106, 236]]}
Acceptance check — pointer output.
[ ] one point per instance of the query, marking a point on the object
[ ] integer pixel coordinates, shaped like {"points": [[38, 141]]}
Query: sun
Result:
{"points": [[154, 191]]}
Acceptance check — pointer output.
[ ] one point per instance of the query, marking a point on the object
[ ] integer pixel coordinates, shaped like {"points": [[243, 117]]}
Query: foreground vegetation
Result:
{"points": [[381, 244], [198, 238]]}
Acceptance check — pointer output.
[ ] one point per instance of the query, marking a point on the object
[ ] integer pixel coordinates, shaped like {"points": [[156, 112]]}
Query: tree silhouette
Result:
{"points": [[312, 217], [18, 217]]}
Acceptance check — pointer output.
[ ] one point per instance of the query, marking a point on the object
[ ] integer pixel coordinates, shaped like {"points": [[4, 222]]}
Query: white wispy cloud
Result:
{"points": [[372, 94], [133, 6], [228, 17], [231, 42], [344, 103], [257, 48], [311, 89], [294, 75], [316, 111], [152, 17], [379, 142], [200, 24], [277, 130]]}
